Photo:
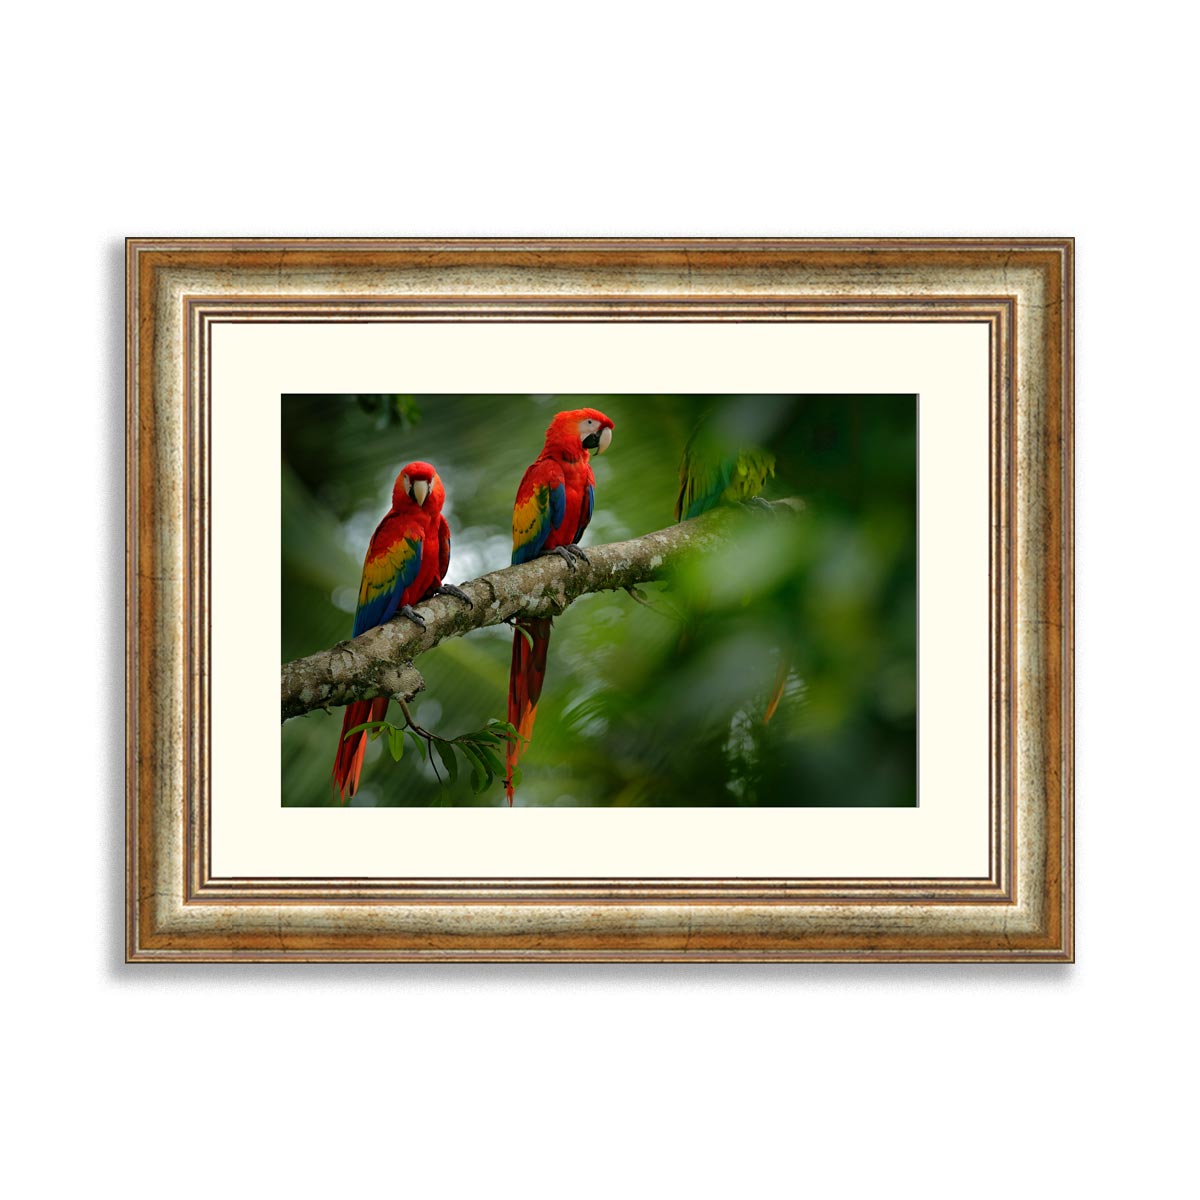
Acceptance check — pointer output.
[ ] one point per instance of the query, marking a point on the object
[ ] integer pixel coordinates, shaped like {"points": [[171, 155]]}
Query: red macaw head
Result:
{"points": [[419, 484], [581, 428]]}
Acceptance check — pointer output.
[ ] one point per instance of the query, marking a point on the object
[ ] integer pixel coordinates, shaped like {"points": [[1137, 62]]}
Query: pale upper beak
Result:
{"points": [[605, 440], [420, 489]]}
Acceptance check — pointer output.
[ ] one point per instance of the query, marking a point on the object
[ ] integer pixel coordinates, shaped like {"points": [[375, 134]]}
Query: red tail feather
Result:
{"points": [[524, 687], [347, 766]]}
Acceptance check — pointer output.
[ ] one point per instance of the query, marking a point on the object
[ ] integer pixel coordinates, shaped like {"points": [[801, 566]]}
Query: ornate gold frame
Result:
{"points": [[1020, 288]]}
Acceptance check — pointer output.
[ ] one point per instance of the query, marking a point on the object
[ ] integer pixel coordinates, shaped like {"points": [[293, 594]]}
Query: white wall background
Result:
{"points": [[610, 119]]}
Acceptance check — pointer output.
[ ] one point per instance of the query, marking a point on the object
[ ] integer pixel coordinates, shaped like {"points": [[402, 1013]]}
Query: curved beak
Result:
{"points": [[420, 489], [605, 440]]}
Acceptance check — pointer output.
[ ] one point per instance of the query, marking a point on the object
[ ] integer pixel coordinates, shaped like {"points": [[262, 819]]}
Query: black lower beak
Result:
{"points": [[592, 441]]}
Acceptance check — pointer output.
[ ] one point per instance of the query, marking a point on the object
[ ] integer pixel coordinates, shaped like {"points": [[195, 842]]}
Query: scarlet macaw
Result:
{"points": [[714, 472], [406, 561], [553, 507]]}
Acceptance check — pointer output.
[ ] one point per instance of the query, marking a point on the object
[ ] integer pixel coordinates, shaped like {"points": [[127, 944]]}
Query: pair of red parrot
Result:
{"points": [[409, 555]]}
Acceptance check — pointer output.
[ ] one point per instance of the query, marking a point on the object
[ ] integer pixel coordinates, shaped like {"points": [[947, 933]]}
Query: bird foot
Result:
{"points": [[407, 610], [569, 554], [758, 502], [448, 589]]}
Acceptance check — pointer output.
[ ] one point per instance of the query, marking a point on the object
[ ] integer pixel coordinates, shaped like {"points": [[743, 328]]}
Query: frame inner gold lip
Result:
{"points": [[996, 312]]}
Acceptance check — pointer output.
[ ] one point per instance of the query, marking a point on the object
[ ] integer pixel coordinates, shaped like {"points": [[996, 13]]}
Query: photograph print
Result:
{"points": [[616, 600]]}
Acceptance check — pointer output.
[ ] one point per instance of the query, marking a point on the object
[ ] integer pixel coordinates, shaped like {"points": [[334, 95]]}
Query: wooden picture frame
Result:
{"points": [[1020, 290]]}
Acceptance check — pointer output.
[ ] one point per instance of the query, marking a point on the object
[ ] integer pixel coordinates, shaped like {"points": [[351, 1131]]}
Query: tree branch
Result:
{"points": [[379, 662]]}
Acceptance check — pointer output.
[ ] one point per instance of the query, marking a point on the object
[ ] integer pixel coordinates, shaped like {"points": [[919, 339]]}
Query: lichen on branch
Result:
{"points": [[380, 661]]}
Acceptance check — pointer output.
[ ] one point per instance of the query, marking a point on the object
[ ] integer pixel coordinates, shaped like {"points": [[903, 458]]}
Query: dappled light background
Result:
{"points": [[654, 703]]}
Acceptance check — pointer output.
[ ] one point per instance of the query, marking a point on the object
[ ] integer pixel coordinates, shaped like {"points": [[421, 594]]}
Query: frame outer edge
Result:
{"points": [[161, 927]]}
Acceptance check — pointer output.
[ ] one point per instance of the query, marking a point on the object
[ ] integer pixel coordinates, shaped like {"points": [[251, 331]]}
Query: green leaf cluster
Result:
{"points": [[481, 749]]}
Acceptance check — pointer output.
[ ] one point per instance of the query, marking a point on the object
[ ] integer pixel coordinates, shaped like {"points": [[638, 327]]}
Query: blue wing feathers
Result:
{"points": [[535, 517], [585, 511], [558, 505], [385, 580]]}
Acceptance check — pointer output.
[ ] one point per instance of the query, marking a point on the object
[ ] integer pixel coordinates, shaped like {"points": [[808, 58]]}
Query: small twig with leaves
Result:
{"points": [[480, 748], [669, 611]]}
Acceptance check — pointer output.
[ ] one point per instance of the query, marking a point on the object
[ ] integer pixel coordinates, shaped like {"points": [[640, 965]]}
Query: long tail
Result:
{"points": [[347, 766], [524, 687]]}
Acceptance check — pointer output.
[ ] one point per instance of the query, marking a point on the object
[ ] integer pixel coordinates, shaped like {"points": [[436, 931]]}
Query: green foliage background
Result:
{"points": [[639, 708]]}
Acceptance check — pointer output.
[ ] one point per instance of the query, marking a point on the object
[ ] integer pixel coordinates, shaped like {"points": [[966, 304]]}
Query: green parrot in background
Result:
{"points": [[708, 478]]}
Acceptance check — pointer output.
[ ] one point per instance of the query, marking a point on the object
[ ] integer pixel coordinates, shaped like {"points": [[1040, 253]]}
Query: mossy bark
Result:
{"points": [[380, 661]]}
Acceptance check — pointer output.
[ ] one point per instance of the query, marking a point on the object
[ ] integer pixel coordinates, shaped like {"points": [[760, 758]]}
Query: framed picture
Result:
{"points": [[629, 600]]}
